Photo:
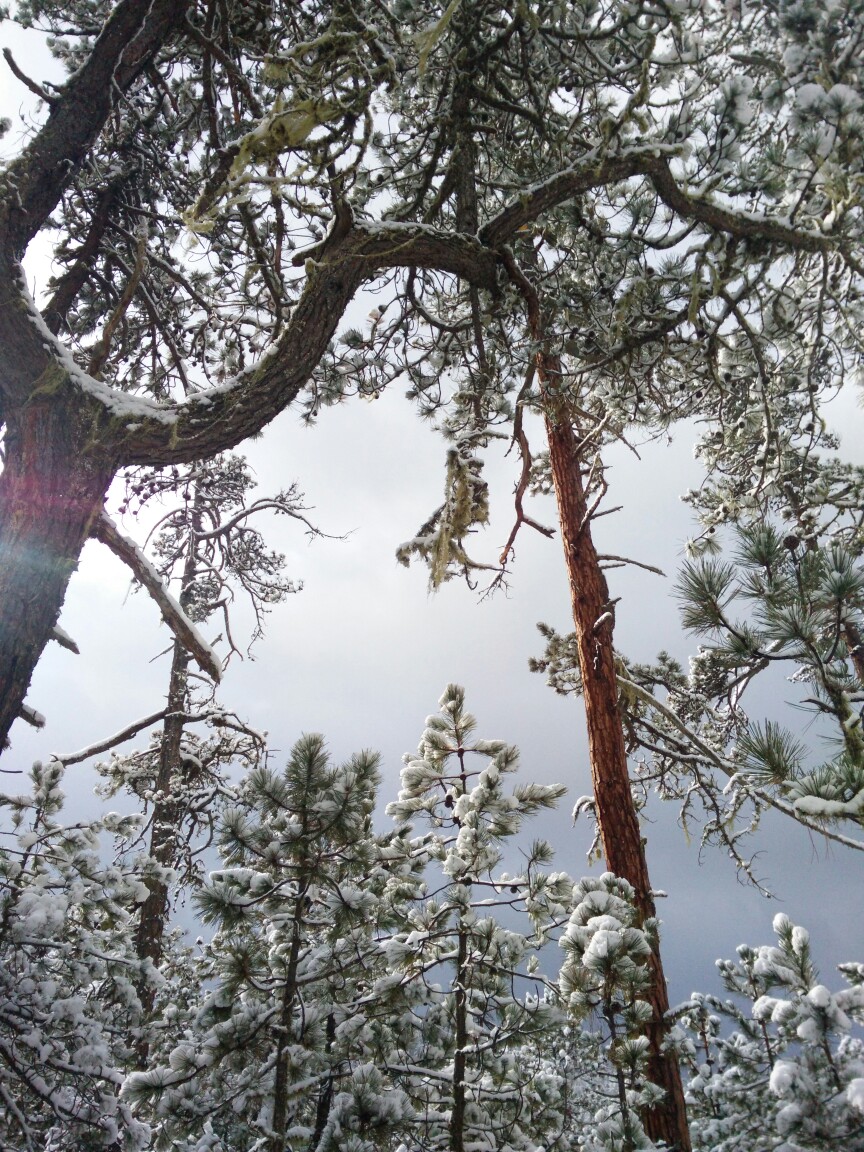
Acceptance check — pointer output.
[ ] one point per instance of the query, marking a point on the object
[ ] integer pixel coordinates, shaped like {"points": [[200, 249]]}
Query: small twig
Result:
{"points": [[522, 485], [637, 563], [99, 352], [592, 510], [35, 88]]}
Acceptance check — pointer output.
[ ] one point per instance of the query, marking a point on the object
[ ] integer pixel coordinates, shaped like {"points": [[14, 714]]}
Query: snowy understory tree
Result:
{"points": [[480, 1006], [606, 975], [292, 998], [362, 990], [69, 974], [791, 1074]]}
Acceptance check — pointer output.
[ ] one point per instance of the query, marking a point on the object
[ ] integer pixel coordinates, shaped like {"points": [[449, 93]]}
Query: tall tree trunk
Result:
{"points": [[51, 490], [167, 808], [620, 835], [276, 1140], [167, 814], [457, 1112], [593, 620]]}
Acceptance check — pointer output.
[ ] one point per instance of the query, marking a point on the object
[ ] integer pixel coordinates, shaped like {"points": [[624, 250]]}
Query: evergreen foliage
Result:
{"points": [[790, 1075], [480, 1007], [69, 1008], [365, 991]]}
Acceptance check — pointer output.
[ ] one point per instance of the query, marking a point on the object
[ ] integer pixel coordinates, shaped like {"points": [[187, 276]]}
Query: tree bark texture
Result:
{"points": [[167, 814], [51, 491], [618, 823], [460, 997]]}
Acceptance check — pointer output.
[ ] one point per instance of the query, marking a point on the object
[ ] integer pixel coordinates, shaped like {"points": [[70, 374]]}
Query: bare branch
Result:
{"points": [[221, 719], [637, 563], [105, 530], [35, 88], [112, 741]]}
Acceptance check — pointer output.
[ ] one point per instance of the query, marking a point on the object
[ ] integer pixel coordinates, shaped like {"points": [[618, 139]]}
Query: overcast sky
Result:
{"points": [[363, 653]]}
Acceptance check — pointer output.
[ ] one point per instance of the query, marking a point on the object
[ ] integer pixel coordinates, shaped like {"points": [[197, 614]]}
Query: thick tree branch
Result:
{"points": [[648, 161], [216, 420], [741, 224], [131, 37], [105, 530], [593, 172]]}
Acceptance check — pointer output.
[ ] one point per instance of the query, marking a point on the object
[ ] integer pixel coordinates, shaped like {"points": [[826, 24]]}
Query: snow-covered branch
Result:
{"points": [[729, 770], [105, 530]]}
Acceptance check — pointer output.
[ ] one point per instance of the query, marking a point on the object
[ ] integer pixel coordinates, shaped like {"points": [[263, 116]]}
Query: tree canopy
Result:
{"points": [[586, 217]]}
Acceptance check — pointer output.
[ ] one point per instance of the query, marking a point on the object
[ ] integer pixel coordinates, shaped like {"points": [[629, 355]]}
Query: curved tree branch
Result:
{"points": [[719, 762]]}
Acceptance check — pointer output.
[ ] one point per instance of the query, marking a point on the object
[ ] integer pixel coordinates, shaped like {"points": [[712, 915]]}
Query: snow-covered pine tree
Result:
{"points": [[606, 976], [284, 1047], [69, 974], [480, 996], [791, 1074]]}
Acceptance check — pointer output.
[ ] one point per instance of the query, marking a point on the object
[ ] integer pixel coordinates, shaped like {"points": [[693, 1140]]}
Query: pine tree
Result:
{"points": [[805, 610], [606, 973], [69, 974], [281, 1051], [461, 1068], [790, 1075]]}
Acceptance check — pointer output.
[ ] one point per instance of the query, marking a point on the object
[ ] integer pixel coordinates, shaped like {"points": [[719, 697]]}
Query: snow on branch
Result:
{"points": [[31, 716], [64, 639], [106, 531], [217, 715], [118, 738], [729, 770]]}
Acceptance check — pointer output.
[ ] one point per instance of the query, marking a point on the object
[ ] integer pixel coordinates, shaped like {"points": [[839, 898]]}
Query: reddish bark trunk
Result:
{"points": [[593, 620], [618, 823], [620, 834], [51, 489]]}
